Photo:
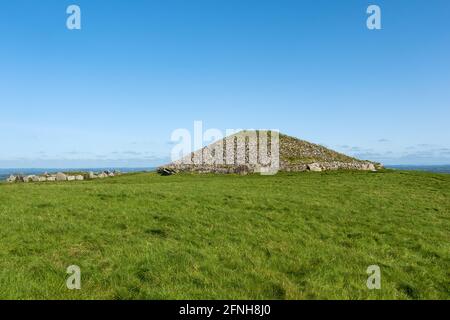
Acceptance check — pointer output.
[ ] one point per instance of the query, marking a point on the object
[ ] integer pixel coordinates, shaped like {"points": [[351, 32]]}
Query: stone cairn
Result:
{"points": [[46, 177], [252, 151]]}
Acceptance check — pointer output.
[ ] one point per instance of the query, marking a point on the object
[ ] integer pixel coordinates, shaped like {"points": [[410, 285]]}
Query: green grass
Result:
{"points": [[290, 236]]}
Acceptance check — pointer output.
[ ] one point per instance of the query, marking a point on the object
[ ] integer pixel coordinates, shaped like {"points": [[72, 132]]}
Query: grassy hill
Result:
{"points": [[290, 236]]}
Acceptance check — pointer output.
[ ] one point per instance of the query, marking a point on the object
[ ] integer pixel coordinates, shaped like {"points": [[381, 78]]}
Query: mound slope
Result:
{"points": [[257, 150]]}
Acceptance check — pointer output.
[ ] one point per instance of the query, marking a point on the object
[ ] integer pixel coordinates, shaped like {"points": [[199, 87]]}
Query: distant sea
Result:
{"points": [[434, 168], [5, 173]]}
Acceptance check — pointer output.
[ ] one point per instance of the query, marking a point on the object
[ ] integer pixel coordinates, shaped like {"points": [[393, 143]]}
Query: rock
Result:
{"points": [[29, 178], [314, 167], [111, 174], [368, 166], [242, 170], [11, 179], [70, 178], [166, 171], [79, 178], [42, 179], [378, 166], [60, 176], [51, 178], [102, 175], [35, 178]]}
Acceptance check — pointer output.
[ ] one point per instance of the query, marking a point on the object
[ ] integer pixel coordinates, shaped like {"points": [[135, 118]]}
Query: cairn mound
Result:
{"points": [[251, 151]]}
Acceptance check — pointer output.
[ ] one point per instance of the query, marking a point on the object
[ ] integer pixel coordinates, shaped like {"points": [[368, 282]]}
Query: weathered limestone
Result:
{"points": [[61, 177], [314, 167], [79, 178], [166, 171], [30, 178]]}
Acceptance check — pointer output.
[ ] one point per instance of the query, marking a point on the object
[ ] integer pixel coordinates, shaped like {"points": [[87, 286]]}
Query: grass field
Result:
{"points": [[289, 236]]}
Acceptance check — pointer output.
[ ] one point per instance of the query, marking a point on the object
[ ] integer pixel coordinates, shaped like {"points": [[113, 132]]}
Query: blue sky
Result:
{"points": [[111, 93]]}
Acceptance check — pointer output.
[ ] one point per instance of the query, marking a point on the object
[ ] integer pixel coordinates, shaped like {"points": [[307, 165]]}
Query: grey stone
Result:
{"points": [[166, 171], [314, 167], [60, 176], [29, 178]]}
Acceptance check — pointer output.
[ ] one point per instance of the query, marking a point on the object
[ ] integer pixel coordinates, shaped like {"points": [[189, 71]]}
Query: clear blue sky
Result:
{"points": [[113, 92]]}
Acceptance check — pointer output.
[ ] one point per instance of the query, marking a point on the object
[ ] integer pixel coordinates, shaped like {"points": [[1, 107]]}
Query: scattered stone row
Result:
{"points": [[61, 177]]}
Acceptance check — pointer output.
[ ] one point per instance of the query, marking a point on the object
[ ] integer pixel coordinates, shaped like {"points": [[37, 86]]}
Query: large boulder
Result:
{"points": [[42, 179], [11, 179], [60, 177], [314, 167], [79, 177], [102, 175], [369, 167], [29, 178], [164, 171], [51, 178], [70, 178]]}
